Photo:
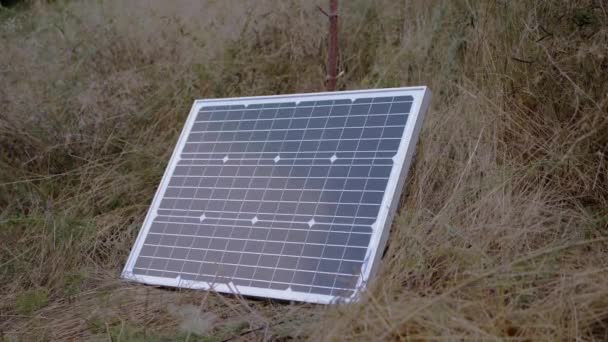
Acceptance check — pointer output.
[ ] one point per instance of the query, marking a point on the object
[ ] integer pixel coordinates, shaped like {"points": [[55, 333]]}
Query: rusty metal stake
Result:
{"points": [[332, 56]]}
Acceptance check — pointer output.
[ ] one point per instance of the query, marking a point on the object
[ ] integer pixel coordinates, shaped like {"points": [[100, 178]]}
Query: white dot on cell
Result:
{"points": [[203, 217], [311, 222], [333, 158], [254, 220], [225, 159], [277, 158]]}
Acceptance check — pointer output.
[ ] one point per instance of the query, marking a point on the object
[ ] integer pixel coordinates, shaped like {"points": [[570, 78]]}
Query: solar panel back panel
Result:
{"points": [[287, 197]]}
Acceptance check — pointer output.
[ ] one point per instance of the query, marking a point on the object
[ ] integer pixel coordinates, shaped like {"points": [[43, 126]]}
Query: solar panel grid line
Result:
{"points": [[325, 197], [293, 219], [211, 109], [215, 227], [162, 246], [299, 118], [316, 207], [226, 188], [165, 227], [270, 177], [287, 129], [202, 137], [257, 200], [277, 116], [372, 258], [350, 167], [237, 216], [276, 160], [271, 221], [365, 133], [360, 279], [202, 129], [266, 239], [300, 198], [295, 140], [192, 242], [246, 279], [407, 148], [227, 268], [215, 170], [220, 167], [353, 245], [316, 162], [251, 231], [337, 216], [288, 161], [184, 217], [312, 271], [328, 152], [182, 225], [341, 209], [274, 224], [157, 247], [270, 159], [215, 230], [233, 289], [175, 156]]}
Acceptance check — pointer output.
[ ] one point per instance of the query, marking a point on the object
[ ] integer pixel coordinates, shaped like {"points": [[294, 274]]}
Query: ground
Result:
{"points": [[502, 232]]}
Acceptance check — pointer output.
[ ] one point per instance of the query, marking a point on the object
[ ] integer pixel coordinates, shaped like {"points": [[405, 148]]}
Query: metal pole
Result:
{"points": [[332, 58]]}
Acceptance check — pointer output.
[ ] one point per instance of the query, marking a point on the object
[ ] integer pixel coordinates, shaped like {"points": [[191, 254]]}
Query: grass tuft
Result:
{"points": [[31, 301]]}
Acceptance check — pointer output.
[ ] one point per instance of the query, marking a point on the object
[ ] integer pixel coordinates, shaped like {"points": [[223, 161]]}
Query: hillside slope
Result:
{"points": [[503, 230]]}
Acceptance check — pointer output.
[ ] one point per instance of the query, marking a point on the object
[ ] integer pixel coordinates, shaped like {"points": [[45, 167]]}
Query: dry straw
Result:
{"points": [[502, 232]]}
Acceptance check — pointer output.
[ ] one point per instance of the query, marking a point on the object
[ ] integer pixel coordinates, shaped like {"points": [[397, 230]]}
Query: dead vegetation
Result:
{"points": [[503, 232]]}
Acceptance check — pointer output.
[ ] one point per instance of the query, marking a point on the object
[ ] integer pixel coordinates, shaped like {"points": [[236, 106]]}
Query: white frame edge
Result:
{"points": [[388, 208]]}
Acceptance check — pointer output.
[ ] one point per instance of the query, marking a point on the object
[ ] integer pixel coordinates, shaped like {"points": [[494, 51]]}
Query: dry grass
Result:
{"points": [[503, 232]]}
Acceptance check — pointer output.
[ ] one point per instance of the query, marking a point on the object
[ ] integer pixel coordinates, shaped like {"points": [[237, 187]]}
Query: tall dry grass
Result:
{"points": [[503, 231]]}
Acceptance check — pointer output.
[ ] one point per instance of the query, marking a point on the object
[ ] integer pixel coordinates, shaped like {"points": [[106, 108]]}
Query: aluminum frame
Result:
{"points": [[381, 228]]}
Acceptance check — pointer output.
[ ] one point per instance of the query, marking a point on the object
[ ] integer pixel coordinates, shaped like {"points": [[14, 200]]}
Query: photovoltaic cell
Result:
{"points": [[285, 197]]}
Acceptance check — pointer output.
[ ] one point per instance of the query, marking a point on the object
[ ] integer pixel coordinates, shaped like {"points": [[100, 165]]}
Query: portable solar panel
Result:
{"points": [[287, 197]]}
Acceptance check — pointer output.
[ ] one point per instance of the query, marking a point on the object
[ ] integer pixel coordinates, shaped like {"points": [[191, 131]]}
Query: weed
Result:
{"points": [[31, 301], [73, 283]]}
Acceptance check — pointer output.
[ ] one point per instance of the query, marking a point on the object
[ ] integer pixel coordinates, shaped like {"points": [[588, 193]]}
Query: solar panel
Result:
{"points": [[287, 197]]}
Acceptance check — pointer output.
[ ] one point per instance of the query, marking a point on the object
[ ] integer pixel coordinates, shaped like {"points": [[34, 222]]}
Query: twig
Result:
{"points": [[247, 332], [521, 60], [322, 11], [547, 34]]}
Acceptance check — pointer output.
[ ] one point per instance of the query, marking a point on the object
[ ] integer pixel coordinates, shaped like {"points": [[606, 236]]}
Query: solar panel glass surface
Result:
{"points": [[287, 197]]}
